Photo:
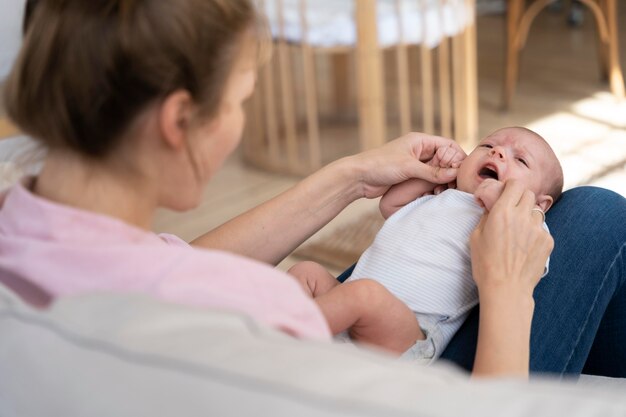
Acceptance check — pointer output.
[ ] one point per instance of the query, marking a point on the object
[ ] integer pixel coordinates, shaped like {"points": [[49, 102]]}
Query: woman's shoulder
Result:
{"points": [[219, 279], [66, 251]]}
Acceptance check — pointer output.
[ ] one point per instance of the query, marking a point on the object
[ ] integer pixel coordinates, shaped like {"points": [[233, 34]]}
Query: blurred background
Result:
{"points": [[346, 75]]}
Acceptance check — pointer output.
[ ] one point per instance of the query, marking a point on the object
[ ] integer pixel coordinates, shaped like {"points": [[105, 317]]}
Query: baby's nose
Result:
{"points": [[497, 152]]}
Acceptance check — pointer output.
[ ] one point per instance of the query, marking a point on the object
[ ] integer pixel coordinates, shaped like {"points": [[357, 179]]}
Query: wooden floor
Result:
{"points": [[559, 94]]}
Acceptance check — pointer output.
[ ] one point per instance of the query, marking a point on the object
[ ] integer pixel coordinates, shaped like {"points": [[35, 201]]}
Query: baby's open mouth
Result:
{"points": [[487, 172]]}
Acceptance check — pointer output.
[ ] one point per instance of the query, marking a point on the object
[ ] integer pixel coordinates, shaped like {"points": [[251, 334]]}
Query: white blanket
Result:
{"points": [[332, 23]]}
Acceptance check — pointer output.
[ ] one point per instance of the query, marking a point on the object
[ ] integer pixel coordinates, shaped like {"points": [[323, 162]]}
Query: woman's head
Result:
{"points": [[88, 69]]}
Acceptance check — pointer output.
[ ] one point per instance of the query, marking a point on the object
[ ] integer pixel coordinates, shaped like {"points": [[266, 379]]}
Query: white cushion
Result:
{"points": [[128, 355]]}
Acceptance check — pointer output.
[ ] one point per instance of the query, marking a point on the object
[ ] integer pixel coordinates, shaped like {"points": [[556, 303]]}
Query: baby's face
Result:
{"points": [[509, 153]]}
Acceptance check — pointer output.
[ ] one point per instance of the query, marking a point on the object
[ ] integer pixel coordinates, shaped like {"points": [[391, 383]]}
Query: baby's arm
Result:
{"points": [[401, 194]]}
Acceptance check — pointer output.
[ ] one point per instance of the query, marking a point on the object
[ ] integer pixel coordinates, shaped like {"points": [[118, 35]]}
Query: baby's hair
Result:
{"points": [[88, 68]]}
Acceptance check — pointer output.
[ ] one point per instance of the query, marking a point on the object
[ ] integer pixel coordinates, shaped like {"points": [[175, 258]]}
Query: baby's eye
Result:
{"points": [[486, 145], [523, 161]]}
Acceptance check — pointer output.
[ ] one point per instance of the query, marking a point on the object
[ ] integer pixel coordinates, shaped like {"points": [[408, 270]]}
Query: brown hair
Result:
{"points": [[88, 68]]}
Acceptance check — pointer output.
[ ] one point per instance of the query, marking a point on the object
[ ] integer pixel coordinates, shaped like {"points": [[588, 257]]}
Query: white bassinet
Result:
{"points": [[347, 75], [331, 23]]}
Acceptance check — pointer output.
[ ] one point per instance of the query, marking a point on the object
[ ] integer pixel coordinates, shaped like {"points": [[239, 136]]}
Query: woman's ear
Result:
{"points": [[544, 202], [175, 115]]}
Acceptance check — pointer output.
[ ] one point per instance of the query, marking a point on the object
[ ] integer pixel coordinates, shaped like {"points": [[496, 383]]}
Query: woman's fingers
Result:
{"points": [[443, 157], [424, 149], [527, 200], [509, 247], [403, 159], [511, 195], [488, 193], [436, 175], [539, 215]]}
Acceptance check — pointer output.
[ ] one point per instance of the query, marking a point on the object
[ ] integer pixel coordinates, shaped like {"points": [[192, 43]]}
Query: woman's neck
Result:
{"points": [[69, 179]]}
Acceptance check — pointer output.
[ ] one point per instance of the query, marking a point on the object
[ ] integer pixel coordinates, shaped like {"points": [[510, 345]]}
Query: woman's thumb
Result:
{"points": [[436, 175]]}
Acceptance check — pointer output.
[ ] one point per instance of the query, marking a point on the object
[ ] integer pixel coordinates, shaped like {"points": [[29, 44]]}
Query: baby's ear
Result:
{"points": [[544, 202]]}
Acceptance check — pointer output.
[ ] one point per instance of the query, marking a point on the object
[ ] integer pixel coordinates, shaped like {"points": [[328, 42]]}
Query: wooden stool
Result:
{"points": [[519, 19]]}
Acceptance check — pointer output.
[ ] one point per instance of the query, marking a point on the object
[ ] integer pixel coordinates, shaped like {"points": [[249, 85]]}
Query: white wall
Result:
{"points": [[11, 12], [16, 154]]}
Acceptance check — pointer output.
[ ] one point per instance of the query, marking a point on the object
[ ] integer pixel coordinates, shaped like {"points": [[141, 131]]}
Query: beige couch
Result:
{"points": [[128, 355]]}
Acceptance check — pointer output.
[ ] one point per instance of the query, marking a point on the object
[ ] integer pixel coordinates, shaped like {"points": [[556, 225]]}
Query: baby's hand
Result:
{"points": [[488, 193], [446, 157], [400, 194]]}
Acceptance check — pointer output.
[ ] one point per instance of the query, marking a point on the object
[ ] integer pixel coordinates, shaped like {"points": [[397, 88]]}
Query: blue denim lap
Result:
{"points": [[582, 299], [580, 306]]}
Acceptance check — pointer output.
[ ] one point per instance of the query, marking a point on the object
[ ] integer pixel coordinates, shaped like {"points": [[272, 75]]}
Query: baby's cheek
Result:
{"points": [[463, 181]]}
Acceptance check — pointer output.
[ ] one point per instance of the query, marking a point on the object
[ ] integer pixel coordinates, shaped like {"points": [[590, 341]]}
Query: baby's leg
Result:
{"points": [[371, 314], [313, 277], [365, 308]]}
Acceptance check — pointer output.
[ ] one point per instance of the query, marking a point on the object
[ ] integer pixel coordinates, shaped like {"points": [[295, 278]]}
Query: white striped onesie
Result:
{"points": [[422, 256]]}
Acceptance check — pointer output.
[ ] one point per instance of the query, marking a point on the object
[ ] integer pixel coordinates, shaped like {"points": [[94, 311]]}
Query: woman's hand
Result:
{"points": [[398, 195], [488, 193], [297, 213], [406, 158], [509, 249]]}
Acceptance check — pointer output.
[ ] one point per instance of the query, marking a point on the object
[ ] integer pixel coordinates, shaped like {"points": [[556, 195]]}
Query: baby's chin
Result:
{"points": [[471, 186]]}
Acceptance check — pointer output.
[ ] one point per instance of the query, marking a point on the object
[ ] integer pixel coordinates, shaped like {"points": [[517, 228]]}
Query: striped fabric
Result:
{"points": [[421, 254]]}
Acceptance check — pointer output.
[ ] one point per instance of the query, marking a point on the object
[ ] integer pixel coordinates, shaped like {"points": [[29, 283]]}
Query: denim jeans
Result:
{"points": [[579, 324], [580, 306]]}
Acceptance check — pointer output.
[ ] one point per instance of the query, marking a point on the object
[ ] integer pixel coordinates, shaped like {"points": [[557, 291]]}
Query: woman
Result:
{"points": [[139, 103]]}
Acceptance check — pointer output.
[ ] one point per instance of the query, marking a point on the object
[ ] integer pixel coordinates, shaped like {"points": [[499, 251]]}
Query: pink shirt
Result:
{"points": [[67, 251]]}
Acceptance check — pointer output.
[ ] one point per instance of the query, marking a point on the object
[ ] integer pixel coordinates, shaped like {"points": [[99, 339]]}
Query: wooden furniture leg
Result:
{"points": [[465, 91], [371, 98], [616, 77], [402, 67], [310, 91], [471, 80], [603, 51], [519, 20], [286, 84], [514, 14], [340, 63]]}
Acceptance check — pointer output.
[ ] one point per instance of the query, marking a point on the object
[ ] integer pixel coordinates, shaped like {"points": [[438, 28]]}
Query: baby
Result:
{"points": [[412, 288]]}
